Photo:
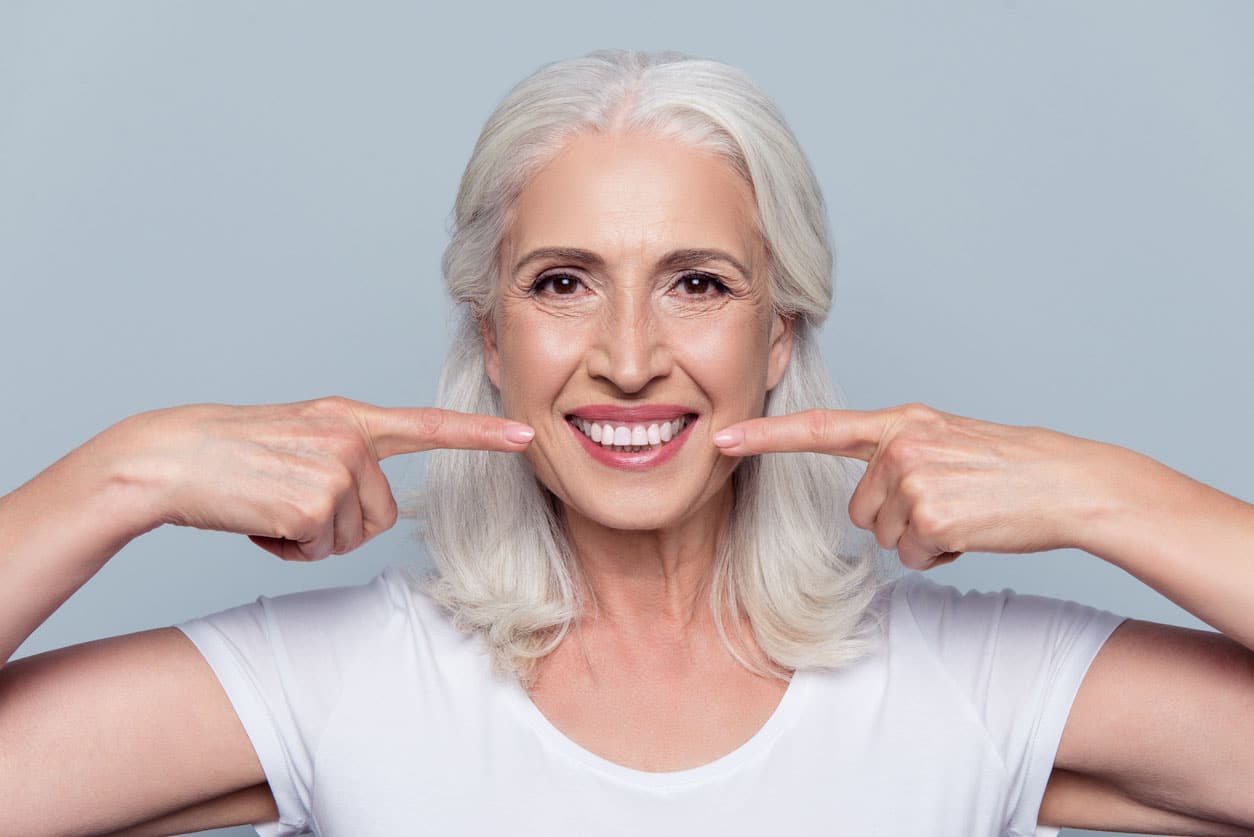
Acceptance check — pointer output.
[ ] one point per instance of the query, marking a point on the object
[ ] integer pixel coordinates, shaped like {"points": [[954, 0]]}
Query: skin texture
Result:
{"points": [[628, 333], [103, 735], [936, 485], [1157, 738], [644, 680]]}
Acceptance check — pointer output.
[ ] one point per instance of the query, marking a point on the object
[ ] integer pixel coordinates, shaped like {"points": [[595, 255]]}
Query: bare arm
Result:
{"points": [[103, 735], [302, 480], [58, 529], [110, 732], [131, 730], [250, 805], [1163, 717], [1078, 800]]}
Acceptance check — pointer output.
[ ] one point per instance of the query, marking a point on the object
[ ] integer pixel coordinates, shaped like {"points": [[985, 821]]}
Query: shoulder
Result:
{"points": [[992, 645], [335, 625], [1013, 656], [946, 614]]}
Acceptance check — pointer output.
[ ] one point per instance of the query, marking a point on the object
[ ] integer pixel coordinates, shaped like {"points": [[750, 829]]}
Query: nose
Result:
{"points": [[629, 350]]}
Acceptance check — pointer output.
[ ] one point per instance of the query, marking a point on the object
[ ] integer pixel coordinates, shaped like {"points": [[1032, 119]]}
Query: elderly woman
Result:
{"points": [[646, 615]]}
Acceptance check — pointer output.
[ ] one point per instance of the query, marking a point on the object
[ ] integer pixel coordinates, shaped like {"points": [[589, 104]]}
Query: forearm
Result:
{"points": [[57, 530], [1190, 542]]}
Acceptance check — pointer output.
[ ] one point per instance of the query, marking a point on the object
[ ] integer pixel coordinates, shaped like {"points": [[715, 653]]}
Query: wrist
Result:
{"points": [[1132, 494], [125, 481]]}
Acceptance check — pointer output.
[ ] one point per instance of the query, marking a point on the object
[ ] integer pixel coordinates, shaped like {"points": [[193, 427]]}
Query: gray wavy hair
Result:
{"points": [[502, 564]]}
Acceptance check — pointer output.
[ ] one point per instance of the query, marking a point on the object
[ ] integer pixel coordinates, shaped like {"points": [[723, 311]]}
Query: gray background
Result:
{"points": [[1042, 215]]}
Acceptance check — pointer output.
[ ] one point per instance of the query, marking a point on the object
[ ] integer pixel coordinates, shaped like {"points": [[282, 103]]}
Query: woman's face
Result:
{"points": [[633, 297]]}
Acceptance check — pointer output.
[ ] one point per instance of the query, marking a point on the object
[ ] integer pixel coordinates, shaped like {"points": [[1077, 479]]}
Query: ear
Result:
{"points": [[491, 357], [780, 351]]}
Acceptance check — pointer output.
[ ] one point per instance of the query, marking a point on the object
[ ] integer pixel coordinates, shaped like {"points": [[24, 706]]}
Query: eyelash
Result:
{"points": [[720, 289]]}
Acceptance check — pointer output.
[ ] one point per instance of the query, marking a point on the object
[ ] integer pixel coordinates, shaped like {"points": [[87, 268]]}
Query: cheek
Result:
{"points": [[730, 361], [535, 360]]}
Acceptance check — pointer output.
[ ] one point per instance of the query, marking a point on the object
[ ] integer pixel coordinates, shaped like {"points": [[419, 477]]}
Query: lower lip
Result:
{"points": [[640, 460]]}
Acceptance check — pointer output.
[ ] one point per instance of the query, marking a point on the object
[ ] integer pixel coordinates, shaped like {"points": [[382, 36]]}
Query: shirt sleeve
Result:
{"points": [[282, 662], [1020, 659]]}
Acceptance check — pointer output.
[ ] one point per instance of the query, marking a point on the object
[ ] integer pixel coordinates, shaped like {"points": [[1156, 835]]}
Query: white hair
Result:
{"points": [[503, 566]]}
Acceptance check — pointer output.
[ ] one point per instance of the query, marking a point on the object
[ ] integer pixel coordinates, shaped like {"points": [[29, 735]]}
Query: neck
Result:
{"points": [[650, 581]]}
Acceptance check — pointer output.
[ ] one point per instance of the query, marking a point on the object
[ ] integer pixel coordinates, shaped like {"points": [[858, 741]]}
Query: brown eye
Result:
{"points": [[562, 284], [701, 284]]}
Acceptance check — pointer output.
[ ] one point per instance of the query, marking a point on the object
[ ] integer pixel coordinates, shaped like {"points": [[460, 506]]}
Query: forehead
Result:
{"points": [[635, 196]]}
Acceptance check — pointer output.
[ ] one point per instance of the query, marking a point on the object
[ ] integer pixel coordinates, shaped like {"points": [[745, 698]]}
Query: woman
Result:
{"points": [[641, 259]]}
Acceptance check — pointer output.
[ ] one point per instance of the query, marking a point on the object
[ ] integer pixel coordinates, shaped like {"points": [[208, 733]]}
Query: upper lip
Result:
{"points": [[644, 412]]}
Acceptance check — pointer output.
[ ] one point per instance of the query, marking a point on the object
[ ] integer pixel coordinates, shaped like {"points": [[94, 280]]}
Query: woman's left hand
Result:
{"points": [[937, 484]]}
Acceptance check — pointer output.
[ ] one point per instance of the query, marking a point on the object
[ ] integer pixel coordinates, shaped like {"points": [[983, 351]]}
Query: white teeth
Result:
{"points": [[633, 437]]}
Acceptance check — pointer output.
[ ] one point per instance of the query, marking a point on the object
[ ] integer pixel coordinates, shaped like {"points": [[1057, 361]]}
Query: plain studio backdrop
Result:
{"points": [[1042, 216]]}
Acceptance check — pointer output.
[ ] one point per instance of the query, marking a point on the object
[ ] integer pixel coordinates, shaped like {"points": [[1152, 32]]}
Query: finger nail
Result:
{"points": [[729, 438], [519, 433]]}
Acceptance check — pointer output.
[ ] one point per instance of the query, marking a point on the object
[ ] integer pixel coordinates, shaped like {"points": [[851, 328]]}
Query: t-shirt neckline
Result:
{"points": [[779, 720]]}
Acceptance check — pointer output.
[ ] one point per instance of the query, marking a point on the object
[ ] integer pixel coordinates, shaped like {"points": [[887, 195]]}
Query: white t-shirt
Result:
{"points": [[372, 716]]}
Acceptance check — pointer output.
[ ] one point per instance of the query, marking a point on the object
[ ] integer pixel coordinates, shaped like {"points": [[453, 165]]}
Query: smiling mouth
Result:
{"points": [[631, 437]]}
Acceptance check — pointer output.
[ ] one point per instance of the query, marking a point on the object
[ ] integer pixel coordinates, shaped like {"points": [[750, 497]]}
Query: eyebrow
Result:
{"points": [[674, 260]]}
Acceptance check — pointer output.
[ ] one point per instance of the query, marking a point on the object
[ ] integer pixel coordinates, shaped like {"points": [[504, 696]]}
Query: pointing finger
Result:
{"points": [[396, 430], [854, 433]]}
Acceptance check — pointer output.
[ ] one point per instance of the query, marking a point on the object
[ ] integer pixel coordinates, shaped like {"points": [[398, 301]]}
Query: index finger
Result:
{"points": [[396, 430], [854, 433]]}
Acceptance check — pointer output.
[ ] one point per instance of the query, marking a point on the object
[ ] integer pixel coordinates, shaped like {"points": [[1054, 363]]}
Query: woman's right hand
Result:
{"points": [[302, 480]]}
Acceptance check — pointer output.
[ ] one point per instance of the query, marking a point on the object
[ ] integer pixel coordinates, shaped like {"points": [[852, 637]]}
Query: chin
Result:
{"points": [[627, 521], [646, 508]]}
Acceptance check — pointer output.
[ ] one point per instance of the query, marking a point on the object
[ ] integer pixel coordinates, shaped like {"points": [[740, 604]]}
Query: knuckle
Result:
{"points": [[349, 544], [913, 486], [485, 429], [928, 520], [903, 453], [380, 510], [908, 552], [816, 425], [918, 411], [430, 420], [320, 407], [293, 524], [335, 403], [305, 524], [315, 513], [338, 481], [859, 515], [286, 526], [373, 527]]}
